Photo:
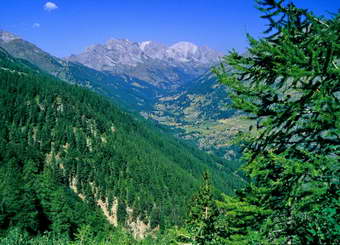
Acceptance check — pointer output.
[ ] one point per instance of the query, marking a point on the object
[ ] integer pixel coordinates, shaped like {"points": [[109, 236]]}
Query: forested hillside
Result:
{"points": [[197, 105], [132, 93], [70, 157]]}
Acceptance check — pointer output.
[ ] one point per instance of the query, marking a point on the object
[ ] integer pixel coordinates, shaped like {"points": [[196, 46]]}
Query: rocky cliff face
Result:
{"points": [[163, 66]]}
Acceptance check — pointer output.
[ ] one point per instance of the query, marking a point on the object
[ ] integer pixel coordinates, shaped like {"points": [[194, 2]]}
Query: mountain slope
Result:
{"points": [[202, 114], [204, 99], [198, 106], [66, 139], [128, 91]]}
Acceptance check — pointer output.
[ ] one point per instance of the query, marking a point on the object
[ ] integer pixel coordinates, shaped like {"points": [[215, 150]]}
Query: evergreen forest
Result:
{"points": [[77, 169]]}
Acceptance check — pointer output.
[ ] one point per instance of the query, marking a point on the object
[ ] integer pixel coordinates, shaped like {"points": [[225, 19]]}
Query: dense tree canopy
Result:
{"points": [[289, 83], [201, 223]]}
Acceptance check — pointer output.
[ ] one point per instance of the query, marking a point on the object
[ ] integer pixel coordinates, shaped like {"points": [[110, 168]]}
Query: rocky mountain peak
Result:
{"points": [[118, 42], [144, 44], [153, 49], [161, 65], [184, 47], [134, 52], [7, 36]]}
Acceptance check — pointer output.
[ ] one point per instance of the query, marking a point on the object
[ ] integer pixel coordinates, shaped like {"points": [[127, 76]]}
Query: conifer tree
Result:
{"points": [[289, 84], [203, 214]]}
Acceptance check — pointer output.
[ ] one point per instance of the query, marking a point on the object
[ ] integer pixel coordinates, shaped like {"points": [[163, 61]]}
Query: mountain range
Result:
{"points": [[172, 85], [167, 67], [63, 146], [130, 92]]}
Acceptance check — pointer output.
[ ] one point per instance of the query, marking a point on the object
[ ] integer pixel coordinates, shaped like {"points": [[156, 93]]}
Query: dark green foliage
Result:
{"points": [[238, 221], [54, 136], [290, 84], [201, 224]]}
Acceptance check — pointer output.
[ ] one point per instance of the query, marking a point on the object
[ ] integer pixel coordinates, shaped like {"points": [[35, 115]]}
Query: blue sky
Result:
{"points": [[63, 27]]}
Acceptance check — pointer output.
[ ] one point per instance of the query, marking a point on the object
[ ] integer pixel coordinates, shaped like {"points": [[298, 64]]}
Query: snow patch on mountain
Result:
{"points": [[142, 45]]}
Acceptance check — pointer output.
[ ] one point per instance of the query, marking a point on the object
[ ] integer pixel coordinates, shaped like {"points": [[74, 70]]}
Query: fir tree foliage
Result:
{"points": [[201, 222], [289, 84]]}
